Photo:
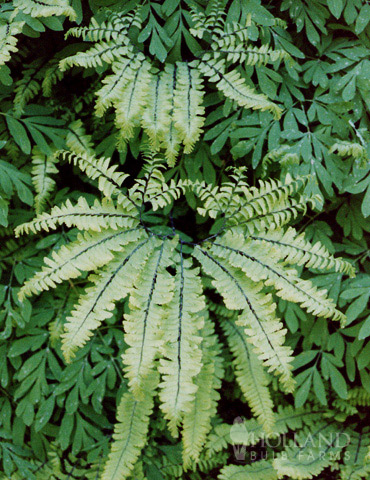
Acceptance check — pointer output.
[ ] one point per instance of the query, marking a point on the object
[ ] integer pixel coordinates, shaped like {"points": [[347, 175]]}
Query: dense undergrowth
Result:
{"points": [[197, 176]]}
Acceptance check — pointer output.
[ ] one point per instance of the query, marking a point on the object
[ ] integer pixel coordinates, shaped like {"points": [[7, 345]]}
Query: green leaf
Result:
{"points": [[336, 7], [302, 393], [365, 329], [319, 388], [338, 382], [365, 206], [19, 134], [363, 18], [44, 413]]}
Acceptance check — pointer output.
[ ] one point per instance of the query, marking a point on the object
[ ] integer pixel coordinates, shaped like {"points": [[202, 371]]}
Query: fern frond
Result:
{"points": [[351, 149], [42, 167], [83, 216], [130, 431], [155, 117], [166, 193], [311, 452], [171, 137], [238, 53], [106, 52], [272, 196], [46, 8], [113, 283], [130, 107], [77, 140], [148, 305], [359, 397], [272, 203], [233, 33], [282, 155], [25, 89], [181, 360], [197, 421], [233, 86], [51, 76], [294, 249], [153, 188], [263, 328], [355, 466], [250, 432], [124, 71], [88, 252], [211, 22], [250, 375], [254, 262], [8, 39], [115, 28], [188, 111], [261, 470], [109, 180]]}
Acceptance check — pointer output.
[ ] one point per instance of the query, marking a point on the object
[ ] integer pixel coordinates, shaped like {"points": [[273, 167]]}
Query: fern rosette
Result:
{"points": [[172, 347], [194, 164]]}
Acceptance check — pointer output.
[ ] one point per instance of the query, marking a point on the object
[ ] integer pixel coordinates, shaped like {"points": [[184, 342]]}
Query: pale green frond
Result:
{"points": [[130, 431], [88, 252], [113, 283], [115, 28], [282, 155], [269, 197], [261, 264], [166, 193], [99, 216], [95, 56], [143, 325], [250, 375], [233, 33], [171, 137], [223, 199], [182, 355], [151, 185], [270, 205], [130, 106], [109, 180], [46, 8], [294, 249], [251, 55], [233, 86], [261, 470], [42, 167], [264, 329], [124, 71], [250, 432], [188, 110], [211, 22], [154, 189], [156, 116], [351, 149], [355, 456], [9, 40], [77, 140], [197, 421], [355, 472], [311, 451]]}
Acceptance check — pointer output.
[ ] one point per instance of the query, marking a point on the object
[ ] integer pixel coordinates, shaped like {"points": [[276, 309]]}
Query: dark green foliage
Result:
{"points": [[190, 101]]}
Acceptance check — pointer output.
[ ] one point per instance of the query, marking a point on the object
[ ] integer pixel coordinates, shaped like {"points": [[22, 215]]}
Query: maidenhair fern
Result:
{"points": [[168, 104], [176, 178], [166, 318]]}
